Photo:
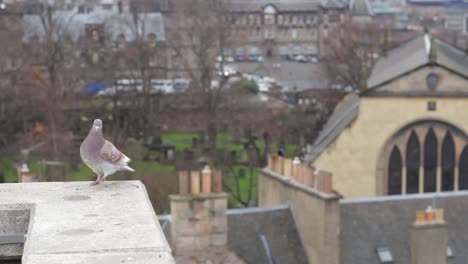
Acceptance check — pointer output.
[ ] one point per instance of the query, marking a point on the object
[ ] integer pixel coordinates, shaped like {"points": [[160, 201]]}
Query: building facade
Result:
{"points": [[280, 29]]}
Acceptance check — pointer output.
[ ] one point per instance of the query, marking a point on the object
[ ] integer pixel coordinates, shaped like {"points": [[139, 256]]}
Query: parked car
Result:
{"points": [[162, 85], [313, 59], [181, 84], [300, 58]]}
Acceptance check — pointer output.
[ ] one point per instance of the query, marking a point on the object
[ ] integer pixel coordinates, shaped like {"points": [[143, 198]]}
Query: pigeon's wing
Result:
{"points": [[111, 154]]}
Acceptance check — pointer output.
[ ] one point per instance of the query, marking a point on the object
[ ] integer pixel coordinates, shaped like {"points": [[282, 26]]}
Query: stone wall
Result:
{"points": [[198, 221], [316, 213]]}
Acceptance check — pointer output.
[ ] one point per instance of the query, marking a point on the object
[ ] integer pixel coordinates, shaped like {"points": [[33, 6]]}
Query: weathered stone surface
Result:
{"points": [[73, 222]]}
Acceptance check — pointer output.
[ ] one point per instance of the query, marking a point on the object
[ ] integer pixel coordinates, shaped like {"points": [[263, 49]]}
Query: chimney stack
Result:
{"points": [[429, 237], [199, 219]]}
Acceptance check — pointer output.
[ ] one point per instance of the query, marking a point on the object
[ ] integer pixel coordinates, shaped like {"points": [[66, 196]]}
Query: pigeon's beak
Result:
{"points": [[96, 128]]}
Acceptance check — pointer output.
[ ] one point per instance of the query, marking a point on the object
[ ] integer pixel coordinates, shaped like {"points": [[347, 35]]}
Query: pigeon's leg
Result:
{"points": [[97, 180]]}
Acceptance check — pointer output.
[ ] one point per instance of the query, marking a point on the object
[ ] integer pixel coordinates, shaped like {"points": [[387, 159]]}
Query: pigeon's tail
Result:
{"points": [[127, 168]]}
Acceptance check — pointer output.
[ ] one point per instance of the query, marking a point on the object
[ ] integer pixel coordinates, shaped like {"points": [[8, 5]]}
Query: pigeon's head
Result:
{"points": [[97, 125]]}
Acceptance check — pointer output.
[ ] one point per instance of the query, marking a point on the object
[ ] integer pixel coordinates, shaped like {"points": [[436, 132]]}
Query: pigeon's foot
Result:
{"points": [[95, 182]]}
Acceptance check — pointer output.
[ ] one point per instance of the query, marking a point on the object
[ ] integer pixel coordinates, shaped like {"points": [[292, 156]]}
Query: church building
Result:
{"points": [[407, 131]]}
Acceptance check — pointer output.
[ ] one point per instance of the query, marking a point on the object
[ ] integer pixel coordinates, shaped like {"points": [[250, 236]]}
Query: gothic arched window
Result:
{"points": [[463, 167], [413, 153], [394, 172], [448, 162], [430, 162]]}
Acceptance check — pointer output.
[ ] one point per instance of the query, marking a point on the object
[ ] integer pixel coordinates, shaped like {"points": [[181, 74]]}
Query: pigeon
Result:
{"points": [[101, 155]]}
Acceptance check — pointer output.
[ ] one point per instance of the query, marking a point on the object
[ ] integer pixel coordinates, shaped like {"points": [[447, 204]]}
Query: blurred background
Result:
{"points": [[182, 84]]}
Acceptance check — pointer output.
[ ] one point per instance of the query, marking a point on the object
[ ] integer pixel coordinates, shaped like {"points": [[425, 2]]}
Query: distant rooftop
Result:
{"points": [[420, 51], [73, 222], [74, 23]]}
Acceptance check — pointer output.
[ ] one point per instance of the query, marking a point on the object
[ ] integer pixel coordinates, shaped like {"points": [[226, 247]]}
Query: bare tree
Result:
{"points": [[50, 74], [353, 50], [197, 35]]}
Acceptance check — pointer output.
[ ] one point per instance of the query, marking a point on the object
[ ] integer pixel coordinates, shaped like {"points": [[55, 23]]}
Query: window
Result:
{"points": [[313, 33], [269, 15], [429, 158], [297, 50], [268, 19], [283, 50], [293, 33], [448, 162], [413, 159], [280, 19], [269, 34], [395, 172], [463, 166], [334, 18], [431, 106], [432, 80], [385, 255], [254, 50], [311, 50], [430, 162]]}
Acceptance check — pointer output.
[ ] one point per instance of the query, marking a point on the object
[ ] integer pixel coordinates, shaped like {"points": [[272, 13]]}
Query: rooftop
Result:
{"points": [[73, 222], [384, 222]]}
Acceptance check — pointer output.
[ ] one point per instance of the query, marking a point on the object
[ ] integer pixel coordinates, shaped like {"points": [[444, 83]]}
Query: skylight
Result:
{"points": [[385, 255], [450, 253]]}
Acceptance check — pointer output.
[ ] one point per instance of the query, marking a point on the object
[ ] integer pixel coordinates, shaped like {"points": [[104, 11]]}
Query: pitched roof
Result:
{"points": [[360, 8], [73, 23], [418, 52], [345, 112], [333, 4], [281, 5], [369, 223], [254, 231]]}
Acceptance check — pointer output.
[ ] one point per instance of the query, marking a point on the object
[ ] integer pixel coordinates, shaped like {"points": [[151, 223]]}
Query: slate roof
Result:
{"points": [[247, 226], [281, 5], [345, 112], [418, 52], [369, 223], [74, 24], [278, 228]]}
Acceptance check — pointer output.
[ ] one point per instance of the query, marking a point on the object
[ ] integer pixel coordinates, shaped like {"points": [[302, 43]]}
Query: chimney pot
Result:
{"points": [[195, 182], [218, 181], [206, 180], [183, 182]]}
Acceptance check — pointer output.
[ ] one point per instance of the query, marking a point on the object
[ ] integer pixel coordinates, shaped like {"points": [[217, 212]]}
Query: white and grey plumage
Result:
{"points": [[101, 155]]}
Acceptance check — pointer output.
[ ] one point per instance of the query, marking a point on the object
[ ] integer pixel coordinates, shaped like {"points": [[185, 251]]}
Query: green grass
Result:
{"points": [[160, 179], [247, 184], [7, 167]]}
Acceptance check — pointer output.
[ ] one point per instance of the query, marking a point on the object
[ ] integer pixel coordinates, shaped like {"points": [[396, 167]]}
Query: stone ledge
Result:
{"points": [[73, 222], [302, 187], [207, 196]]}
